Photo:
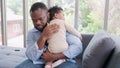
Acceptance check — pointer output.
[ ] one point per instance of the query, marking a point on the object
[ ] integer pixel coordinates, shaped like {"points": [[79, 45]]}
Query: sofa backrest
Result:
{"points": [[85, 41]]}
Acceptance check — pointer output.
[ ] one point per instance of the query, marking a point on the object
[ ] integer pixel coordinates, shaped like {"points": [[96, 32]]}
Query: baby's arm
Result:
{"points": [[72, 30]]}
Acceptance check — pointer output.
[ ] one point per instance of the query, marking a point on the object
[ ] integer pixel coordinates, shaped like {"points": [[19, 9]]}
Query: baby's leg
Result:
{"points": [[48, 65], [58, 62]]}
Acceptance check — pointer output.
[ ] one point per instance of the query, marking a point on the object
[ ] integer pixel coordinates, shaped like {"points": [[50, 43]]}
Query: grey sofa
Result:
{"points": [[12, 56], [113, 59]]}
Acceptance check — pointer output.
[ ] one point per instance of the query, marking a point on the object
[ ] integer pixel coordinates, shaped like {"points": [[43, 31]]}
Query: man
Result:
{"points": [[37, 51]]}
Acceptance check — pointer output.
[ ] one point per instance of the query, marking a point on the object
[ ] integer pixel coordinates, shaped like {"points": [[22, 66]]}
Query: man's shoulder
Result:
{"points": [[33, 30]]}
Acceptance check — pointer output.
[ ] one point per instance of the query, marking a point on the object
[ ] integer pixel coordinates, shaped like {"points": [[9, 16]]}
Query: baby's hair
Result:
{"points": [[53, 10]]}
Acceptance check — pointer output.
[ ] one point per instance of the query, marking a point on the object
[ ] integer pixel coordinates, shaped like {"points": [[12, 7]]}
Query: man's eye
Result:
{"points": [[40, 19], [35, 20]]}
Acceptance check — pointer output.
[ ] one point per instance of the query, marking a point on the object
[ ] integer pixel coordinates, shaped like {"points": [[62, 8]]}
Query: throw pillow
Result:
{"points": [[97, 50]]}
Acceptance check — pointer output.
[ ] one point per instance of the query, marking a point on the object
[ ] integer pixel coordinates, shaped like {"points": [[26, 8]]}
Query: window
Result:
{"points": [[0, 27], [14, 13], [91, 15], [16, 28], [114, 17]]}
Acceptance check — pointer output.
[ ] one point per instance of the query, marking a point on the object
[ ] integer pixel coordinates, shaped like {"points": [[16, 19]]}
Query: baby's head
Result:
{"points": [[56, 12]]}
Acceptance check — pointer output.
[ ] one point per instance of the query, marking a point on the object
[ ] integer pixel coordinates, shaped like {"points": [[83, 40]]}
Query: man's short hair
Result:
{"points": [[53, 10], [38, 5]]}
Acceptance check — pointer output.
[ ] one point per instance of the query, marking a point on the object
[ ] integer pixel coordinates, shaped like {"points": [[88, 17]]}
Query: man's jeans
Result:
{"points": [[28, 64]]}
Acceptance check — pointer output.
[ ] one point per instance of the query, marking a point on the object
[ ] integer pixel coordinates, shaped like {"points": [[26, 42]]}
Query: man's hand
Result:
{"points": [[49, 30], [52, 57], [48, 56]]}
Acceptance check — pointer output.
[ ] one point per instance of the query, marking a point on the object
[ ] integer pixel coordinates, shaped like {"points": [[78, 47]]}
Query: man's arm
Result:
{"points": [[32, 50], [75, 48], [48, 31], [52, 57], [36, 48]]}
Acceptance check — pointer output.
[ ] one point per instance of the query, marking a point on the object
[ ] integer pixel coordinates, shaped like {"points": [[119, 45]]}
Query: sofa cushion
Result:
{"points": [[11, 56], [97, 50], [114, 61]]}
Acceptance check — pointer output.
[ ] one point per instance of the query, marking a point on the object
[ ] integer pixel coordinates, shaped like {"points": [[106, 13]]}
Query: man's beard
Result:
{"points": [[41, 27]]}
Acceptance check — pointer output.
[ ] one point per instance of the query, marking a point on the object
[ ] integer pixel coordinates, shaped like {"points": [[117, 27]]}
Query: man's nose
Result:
{"points": [[38, 22]]}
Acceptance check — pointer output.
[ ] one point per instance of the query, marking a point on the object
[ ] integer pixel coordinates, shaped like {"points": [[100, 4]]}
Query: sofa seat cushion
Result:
{"points": [[97, 50], [11, 56]]}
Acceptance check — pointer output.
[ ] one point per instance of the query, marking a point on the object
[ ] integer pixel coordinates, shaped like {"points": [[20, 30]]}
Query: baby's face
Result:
{"points": [[60, 15]]}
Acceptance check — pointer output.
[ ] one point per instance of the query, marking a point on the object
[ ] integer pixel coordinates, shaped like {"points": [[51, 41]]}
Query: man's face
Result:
{"points": [[39, 18]]}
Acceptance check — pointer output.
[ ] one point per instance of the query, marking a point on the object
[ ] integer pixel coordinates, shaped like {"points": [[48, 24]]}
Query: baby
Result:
{"points": [[57, 43]]}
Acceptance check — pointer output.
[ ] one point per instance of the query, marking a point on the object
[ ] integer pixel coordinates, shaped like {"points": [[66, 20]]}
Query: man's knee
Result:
{"points": [[25, 64], [18, 66], [29, 64]]}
